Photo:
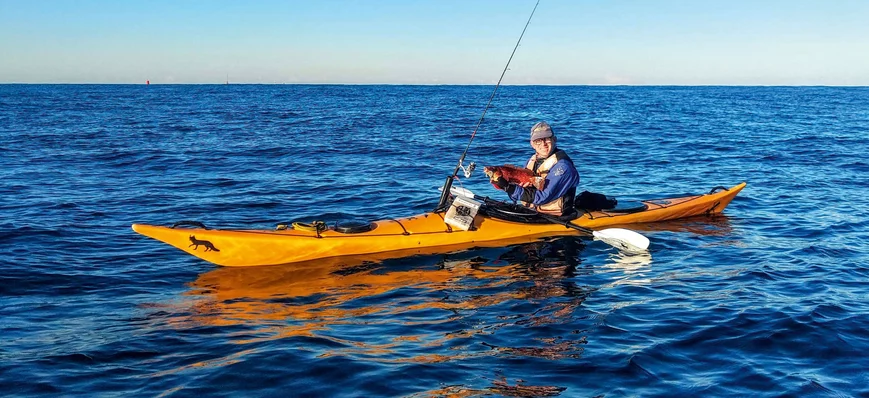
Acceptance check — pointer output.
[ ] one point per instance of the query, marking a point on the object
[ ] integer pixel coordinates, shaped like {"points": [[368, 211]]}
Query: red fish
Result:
{"points": [[515, 175]]}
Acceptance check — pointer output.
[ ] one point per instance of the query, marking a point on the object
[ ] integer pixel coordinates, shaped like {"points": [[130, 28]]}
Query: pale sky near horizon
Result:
{"points": [[639, 42]]}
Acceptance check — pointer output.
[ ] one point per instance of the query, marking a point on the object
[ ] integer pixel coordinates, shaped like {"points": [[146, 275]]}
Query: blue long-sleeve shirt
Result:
{"points": [[562, 178]]}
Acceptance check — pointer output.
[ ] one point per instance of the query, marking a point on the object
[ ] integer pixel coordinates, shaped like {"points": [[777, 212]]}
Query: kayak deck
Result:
{"points": [[421, 234]]}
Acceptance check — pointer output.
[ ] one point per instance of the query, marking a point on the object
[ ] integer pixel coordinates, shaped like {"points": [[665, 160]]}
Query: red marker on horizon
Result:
{"points": [[147, 82]]}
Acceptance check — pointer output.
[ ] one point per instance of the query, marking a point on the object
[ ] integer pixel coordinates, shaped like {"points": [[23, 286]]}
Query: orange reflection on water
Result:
{"points": [[314, 299], [269, 293]]}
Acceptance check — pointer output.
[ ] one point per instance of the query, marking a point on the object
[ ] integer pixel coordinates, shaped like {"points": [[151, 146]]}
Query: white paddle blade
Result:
{"points": [[624, 239]]}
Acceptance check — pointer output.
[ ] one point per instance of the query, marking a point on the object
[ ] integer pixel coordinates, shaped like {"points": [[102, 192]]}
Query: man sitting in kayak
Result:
{"points": [[559, 173]]}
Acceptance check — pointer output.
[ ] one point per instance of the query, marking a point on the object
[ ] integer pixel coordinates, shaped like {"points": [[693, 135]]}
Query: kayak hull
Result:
{"points": [[421, 234]]}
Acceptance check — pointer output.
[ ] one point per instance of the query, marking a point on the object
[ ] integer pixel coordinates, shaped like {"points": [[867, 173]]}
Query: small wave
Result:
{"points": [[27, 232]]}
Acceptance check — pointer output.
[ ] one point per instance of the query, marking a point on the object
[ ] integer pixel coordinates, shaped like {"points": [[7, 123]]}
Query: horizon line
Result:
{"points": [[428, 84]]}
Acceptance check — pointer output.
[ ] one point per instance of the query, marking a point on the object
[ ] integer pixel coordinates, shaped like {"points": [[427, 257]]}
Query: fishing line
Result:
{"points": [[460, 166]]}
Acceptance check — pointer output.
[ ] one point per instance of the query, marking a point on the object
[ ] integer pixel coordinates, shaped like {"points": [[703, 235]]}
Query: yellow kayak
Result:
{"points": [[421, 234]]}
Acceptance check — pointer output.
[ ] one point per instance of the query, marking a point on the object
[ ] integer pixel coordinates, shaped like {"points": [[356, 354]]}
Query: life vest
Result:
{"points": [[557, 206]]}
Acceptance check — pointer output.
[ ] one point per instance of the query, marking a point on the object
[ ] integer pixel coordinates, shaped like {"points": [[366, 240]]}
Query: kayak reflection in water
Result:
{"points": [[560, 176]]}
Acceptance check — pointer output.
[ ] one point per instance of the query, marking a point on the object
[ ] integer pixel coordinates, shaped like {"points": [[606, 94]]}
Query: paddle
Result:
{"points": [[620, 238]]}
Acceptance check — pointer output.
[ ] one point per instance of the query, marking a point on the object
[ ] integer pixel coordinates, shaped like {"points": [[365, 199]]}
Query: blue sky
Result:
{"points": [[732, 42]]}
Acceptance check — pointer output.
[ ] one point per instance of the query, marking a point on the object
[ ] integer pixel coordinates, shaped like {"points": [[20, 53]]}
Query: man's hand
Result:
{"points": [[499, 182]]}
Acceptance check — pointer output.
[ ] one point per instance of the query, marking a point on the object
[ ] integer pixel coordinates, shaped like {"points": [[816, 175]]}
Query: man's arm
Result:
{"points": [[561, 178]]}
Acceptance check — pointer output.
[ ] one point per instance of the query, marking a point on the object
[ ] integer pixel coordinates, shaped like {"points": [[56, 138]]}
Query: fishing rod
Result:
{"points": [[460, 166]]}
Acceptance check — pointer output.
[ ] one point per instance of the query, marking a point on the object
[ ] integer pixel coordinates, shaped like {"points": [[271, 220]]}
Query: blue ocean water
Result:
{"points": [[770, 299]]}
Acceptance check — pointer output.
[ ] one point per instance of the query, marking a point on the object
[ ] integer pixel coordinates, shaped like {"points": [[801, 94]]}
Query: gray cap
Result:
{"points": [[541, 130]]}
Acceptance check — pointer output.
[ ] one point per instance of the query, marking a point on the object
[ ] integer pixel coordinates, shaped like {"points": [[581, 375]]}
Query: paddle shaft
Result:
{"points": [[547, 217], [568, 224], [624, 239]]}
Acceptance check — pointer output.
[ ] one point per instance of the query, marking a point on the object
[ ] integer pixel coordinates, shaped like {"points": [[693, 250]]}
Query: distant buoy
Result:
{"points": [[147, 82]]}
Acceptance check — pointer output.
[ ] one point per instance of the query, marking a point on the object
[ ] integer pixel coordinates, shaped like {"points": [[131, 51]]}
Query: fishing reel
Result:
{"points": [[468, 170]]}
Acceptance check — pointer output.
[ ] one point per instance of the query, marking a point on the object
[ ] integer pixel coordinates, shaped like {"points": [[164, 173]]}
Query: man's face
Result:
{"points": [[543, 146]]}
